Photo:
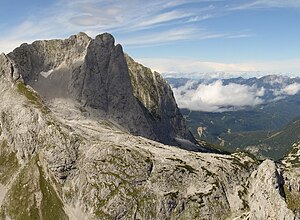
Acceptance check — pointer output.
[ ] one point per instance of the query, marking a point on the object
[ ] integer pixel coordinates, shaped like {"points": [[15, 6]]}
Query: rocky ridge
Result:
{"points": [[58, 161]]}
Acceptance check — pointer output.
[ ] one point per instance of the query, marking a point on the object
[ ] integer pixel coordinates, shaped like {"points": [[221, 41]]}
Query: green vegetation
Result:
{"points": [[295, 161], [175, 159], [270, 144], [292, 199], [172, 195], [182, 166], [51, 205], [267, 130], [32, 196], [208, 173], [32, 97], [243, 194], [8, 163], [22, 202], [133, 196]]}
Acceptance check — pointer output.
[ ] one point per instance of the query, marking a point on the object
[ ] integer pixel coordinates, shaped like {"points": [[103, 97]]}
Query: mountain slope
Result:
{"points": [[273, 144], [83, 167], [290, 165], [59, 161]]}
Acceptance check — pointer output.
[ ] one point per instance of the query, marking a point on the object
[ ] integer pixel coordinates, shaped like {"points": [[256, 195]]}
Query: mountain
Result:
{"points": [[273, 144], [66, 154], [74, 68]]}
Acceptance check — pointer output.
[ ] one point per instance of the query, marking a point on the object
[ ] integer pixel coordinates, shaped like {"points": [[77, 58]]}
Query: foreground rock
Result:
{"points": [[267, 197]]}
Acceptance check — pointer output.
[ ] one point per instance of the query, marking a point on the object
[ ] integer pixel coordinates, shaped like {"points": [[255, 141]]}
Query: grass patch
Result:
{"points": [[208, 173], [22, 203], [32, 97], [8, 163], [292, 199], [32, 196], [51, 206]]}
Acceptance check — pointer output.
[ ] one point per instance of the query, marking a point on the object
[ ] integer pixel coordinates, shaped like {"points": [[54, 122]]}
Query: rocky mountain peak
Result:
{"points": [[95, 74], [106, 40], [82, 35]]}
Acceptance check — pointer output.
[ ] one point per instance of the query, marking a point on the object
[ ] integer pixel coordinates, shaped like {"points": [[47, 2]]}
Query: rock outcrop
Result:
{"points": [[291, 167], [266, 194]]}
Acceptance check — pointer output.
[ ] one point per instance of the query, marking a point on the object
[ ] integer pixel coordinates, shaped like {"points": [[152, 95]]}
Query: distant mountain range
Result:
{"points": [[252, 128], [274, 85]]}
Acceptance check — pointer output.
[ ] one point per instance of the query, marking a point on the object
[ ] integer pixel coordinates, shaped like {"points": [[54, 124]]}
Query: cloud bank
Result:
{"points": [[217, 97], [291, 89]]}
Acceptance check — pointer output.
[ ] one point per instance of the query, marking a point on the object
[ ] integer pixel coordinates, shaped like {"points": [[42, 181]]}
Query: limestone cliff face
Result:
{"points": [[95, 73], [157, 98]]}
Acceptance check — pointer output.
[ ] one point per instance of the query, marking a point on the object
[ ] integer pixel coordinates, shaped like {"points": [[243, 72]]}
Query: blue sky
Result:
{"points": [[171, 36]]}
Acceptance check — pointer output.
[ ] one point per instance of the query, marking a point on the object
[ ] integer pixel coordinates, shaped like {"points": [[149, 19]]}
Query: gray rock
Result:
{"points": [[266, 198]]}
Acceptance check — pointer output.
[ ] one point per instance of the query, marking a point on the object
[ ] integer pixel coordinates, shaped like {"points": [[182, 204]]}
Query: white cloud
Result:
{"points": [[291, 89], [162, 37], [216, 97], [84, 20], [199, 18], [162, 18]]}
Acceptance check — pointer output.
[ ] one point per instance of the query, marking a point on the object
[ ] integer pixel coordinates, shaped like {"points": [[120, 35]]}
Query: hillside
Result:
{"points": [[273, 144]]}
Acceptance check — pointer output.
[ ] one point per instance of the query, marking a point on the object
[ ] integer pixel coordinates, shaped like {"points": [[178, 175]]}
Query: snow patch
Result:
{"points": [[46, 74]]}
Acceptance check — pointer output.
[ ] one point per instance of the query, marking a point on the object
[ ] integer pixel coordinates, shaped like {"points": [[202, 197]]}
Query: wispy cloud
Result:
{"points": [[162, 18], [162, 37], [138, 21], [268, 3]]}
